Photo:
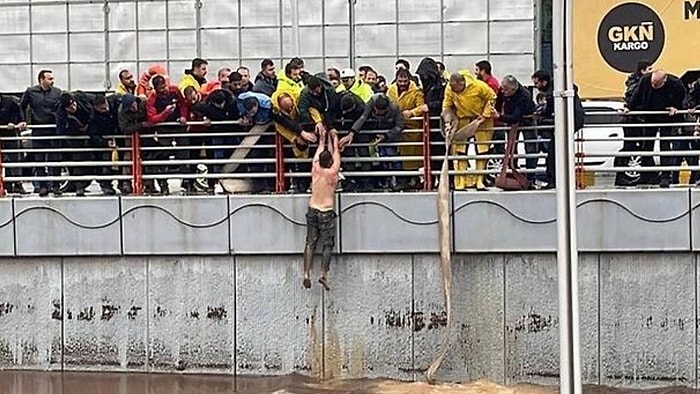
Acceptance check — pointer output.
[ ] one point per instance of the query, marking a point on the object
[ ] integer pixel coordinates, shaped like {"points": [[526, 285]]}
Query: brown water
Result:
{"points": [[106, 383]]}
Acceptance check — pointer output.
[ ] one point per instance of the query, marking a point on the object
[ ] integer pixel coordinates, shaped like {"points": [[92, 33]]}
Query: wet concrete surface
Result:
{"points": [[116, 383]]}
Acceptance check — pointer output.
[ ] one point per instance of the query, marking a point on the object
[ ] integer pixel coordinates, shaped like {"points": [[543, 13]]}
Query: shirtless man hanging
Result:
{"points": [[320, 219]]}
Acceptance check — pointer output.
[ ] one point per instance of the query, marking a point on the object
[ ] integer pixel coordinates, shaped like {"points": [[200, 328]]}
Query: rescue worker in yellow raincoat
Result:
{"points": [[409, 97], [286, 115], [468, 99]]}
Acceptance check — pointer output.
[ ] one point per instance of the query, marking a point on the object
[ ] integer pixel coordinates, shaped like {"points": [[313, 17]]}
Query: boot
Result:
{"points": [[463, 182], [480, 166]]}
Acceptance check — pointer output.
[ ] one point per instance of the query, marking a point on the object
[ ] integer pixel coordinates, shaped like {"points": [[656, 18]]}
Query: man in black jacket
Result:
{"points": [[103, 125], [218, 106], [517, 109], [384, 116], [266, 80], [433, 85], [11, 116], [659, 91], [41, 101]]}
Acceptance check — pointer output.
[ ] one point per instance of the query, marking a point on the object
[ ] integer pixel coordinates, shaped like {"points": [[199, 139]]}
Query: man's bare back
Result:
{"points": [[321, 217]]}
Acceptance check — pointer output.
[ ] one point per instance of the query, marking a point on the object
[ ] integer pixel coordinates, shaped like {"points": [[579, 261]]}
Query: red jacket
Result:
{"points": [[155, 106]]}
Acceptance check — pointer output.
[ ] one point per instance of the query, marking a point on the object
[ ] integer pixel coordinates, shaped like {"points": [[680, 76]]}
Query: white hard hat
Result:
{"points": [[347, 73]]}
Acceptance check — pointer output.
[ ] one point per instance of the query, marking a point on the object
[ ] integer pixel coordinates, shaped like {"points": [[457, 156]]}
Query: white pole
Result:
{"points": [[567, 251], [295, 27]]}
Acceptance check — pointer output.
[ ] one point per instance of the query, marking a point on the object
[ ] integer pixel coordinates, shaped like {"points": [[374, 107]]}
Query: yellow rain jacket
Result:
{"points": [[410, 100], [475, 100], [288, 134], [288, 85], [188, 80], [361, 89]]}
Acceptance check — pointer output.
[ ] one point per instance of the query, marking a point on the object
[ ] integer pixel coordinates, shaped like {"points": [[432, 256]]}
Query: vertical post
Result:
{"points": [[427, 170], [2, 179], [279, 164], [567, 253], [351, 28], [136, 168], [295, 27]]}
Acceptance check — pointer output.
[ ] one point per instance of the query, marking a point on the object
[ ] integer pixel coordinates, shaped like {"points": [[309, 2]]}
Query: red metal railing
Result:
{"points": [[580, 173], [136, 168]]}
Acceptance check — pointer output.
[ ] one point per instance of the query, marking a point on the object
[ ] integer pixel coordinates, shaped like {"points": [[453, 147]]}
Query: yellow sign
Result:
{"points": [[611, 36]]}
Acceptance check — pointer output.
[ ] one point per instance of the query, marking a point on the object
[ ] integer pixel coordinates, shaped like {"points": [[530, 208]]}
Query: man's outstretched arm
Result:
{"points": [[321, 147], [336, 152]]}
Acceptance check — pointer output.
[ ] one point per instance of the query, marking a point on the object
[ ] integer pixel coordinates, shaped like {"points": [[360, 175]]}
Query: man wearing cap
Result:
{"points": [[354, 85]]}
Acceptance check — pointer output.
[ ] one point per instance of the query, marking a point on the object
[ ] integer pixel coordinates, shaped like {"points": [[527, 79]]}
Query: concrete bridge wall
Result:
{"points": [[212, 285]]}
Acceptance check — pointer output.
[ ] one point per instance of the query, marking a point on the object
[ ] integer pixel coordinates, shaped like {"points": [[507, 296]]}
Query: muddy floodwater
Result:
{"points": [[113, 383]]}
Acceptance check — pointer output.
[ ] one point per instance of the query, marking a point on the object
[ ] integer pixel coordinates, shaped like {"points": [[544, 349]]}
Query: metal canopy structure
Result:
{"points": [[87, 42]]}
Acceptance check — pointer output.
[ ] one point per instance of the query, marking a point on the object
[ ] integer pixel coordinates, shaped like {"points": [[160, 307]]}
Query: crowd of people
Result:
{"points": [[369, 113]]}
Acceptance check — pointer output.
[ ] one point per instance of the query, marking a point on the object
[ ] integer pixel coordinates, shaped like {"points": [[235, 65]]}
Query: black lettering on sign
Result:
{"points": [[692, 9]]}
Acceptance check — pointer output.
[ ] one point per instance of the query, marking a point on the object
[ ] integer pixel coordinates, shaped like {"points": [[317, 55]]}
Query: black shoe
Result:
{"points": [[80, 192], [43, 192], [125, 189], [109, 191], [665, 183]]}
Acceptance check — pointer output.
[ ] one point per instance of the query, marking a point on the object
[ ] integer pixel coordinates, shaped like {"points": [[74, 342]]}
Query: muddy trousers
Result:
{"points": [[320, 228]]}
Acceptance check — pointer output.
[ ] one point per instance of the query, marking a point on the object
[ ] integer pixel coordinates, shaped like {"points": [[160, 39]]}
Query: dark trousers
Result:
{"points": [[45, 157], [6, 145], [320, 229]]}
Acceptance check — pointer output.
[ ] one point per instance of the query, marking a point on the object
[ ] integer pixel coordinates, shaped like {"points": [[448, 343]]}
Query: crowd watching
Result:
{"points": [[369, 113]]}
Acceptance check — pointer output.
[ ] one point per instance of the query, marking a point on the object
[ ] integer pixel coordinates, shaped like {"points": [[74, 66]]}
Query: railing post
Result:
{"points": [[136, 168], [578, 161], [2, 179], [279, 163], [427, 171]]}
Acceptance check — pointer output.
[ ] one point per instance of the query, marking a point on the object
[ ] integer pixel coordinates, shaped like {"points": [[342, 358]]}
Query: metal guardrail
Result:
{"points": [[278, 159]]}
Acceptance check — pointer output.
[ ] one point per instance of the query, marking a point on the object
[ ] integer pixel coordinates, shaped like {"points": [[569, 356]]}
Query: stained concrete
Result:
{"points": [[476, 349], [532, 318], [191, 311], [648, 334], [367, 318], [105, 326], [384, 316], [279, 324], [30, 314]]}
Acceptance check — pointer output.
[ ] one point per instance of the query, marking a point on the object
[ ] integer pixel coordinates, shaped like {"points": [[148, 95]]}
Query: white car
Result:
{"points": [[599, 143]]}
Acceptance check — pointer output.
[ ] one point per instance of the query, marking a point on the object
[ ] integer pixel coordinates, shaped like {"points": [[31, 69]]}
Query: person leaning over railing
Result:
{"points": [[517, 110], [12, 118], [102, 128], [468, 99], [659, 91], [165, 104], [433, 86], [692, 103], [72, 121], [255, 109], [388, 125], [351, 109], [131, 116]]}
